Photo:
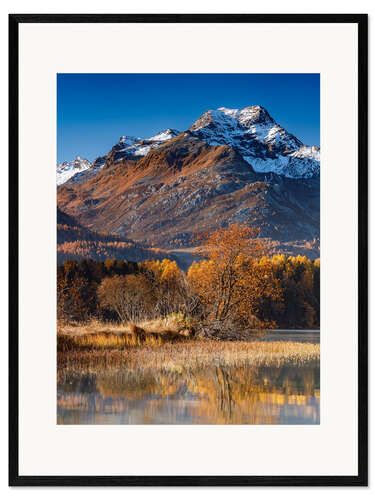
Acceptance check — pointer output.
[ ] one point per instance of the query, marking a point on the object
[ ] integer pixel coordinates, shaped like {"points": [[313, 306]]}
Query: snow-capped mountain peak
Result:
{"points": [[254, 114], [266, 145], [245, 117], [130, 146], [165, 135], [66, 170]]}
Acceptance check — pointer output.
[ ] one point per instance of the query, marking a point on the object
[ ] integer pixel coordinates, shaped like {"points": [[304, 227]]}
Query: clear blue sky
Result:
{"points": [[94, 110]]}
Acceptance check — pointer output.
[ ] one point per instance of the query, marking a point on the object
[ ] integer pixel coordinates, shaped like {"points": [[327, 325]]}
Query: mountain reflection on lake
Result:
{"points": [[215, 395]]}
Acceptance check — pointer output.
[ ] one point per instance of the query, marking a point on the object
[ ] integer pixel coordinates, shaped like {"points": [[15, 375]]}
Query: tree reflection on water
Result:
{"points": [[215, 395]]}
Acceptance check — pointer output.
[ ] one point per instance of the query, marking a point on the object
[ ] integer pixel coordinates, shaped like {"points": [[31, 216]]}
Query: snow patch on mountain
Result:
{"points": [[311, 152], [165, 135], [128, 140], [229, 112], [265, 165]]}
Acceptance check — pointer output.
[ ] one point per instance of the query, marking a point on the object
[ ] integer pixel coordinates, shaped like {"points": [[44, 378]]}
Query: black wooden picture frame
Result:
{"points": [[359, 480]]}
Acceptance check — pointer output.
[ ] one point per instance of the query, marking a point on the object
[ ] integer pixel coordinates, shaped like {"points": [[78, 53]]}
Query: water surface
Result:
{"points": [[216, 395]]}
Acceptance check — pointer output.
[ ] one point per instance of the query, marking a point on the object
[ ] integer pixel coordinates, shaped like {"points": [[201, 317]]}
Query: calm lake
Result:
{"points": [[245, 395]]}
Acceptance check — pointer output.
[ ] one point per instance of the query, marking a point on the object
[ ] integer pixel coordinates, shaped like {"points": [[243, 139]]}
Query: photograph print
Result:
{"points": [[188, 249]]}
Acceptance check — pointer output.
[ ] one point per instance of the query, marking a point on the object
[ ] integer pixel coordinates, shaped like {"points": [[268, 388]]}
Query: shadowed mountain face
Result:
{"points": [[77, 242], [186, 186]]}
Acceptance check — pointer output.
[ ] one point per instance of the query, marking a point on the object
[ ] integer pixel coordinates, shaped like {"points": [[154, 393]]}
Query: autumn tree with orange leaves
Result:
{"points": [[170, 287], [229, 280], [129, 296]]}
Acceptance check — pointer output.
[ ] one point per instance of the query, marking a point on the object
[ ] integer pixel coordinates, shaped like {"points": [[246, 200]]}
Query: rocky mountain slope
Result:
{"points": [[186, 186], [127, 147]]}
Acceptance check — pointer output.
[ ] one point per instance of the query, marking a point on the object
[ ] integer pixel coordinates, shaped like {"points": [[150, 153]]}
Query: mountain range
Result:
{"points": [[231, 165]]}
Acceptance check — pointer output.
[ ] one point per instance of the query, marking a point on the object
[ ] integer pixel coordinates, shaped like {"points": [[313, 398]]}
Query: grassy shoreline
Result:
{"points": [[97, 344]]}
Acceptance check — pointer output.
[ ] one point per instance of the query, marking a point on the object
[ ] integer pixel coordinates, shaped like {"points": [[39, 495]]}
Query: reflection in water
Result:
{"points": [[217, 395]]}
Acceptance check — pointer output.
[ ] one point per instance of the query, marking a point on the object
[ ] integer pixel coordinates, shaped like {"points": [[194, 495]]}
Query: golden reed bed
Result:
{"points": [[170, 349]]}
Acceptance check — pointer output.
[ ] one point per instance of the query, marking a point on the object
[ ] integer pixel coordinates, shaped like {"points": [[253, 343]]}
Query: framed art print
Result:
{"points": [[188, 250]]}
